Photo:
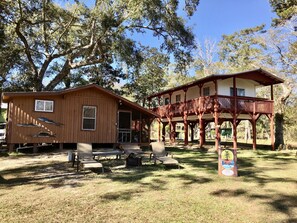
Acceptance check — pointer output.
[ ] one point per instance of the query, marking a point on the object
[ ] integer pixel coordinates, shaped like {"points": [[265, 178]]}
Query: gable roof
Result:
{"points": [[8, 96], [260, 76]]}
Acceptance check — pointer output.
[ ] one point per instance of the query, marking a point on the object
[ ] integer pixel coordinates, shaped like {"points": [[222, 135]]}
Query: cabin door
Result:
{"points": [[124, 126]]}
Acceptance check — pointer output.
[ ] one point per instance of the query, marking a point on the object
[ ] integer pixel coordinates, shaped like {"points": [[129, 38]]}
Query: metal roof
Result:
{"points": [[261, 76], [7, 96]]}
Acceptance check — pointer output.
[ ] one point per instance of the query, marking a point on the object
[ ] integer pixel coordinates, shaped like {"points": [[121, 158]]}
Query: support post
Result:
{"points": [[235, 114], [35, 148], [202, 131], [172, 131], [61, 146], [186, 132], [253, 121], [192, 126], [272, 132], [217, 127], [10, 147], [234, 132], [163, 131], [159, 130]]}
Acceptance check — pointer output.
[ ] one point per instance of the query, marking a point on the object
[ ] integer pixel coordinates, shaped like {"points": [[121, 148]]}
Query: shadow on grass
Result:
{"points": [[279, 202], [53, 175], [121, 195]]}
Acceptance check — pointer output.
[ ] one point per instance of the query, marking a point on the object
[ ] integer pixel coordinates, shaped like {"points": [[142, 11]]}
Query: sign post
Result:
{"points": [[228, 162]]}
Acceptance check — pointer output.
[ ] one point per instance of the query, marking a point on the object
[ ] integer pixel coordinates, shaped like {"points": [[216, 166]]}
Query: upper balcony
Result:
{"points": [[225, 104]]}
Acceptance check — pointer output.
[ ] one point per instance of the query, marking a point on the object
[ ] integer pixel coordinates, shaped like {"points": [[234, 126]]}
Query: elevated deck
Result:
{"points": [[225, 104]]}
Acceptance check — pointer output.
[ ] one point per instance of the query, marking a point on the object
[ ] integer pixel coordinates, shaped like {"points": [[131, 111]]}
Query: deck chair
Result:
{"points": [[85, 158], [159, 153], [131, 148]]}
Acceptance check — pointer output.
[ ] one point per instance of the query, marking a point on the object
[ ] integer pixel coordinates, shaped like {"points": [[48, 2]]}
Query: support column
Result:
{"points": [[234, 123], [10, 147], [61, 146], [163, 131], [254, 129], [192, 126], [202, 131], [234, 114], [172, 126], [272, 131], [186, 130], [217, 127], [159, 130], [35, 148]]}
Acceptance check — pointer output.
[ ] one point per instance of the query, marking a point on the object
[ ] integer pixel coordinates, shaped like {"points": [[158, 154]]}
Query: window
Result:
{"points": [[239, 91], [177, 98], [89, 118], [166, 101], [44, 105], [206, 91]]}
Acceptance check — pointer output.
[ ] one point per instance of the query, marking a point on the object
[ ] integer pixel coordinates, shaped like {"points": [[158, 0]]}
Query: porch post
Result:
{"points": [[172, 126], [192, 126], [253, 121], [271, 93], [159, 130], [185, 112], [186, 130], [216, 118], [234, 124], [235, 114], [272, 122], [11, 147], [202, 131], [163, 131], [272, 131]]}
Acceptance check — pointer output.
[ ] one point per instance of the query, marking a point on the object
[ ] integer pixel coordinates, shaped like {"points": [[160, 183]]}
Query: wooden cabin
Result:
{"points": [[89, 114], [213, 99]]}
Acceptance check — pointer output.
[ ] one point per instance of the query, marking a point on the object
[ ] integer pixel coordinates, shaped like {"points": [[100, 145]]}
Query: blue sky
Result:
{"points": [[214, 18], [217, 17]]}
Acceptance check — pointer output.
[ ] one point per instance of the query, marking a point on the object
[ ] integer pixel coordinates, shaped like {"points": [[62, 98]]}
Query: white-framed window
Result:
{"points": [[89, 118], [206, 91], [44, 105], [239, 91]]}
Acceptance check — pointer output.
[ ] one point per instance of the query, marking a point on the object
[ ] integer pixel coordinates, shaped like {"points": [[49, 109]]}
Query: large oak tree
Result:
{"points": [[53, 42]]}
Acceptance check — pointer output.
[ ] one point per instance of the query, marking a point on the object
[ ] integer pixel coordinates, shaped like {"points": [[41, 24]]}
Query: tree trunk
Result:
{"points": [[279, 130]]}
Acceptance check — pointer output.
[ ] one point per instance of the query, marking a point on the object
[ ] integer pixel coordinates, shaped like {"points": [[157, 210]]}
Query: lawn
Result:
{"points": [[46, 188]]}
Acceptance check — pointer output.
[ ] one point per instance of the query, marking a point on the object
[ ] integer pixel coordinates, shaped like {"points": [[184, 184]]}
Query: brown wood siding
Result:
{"points": [[68, 112]]}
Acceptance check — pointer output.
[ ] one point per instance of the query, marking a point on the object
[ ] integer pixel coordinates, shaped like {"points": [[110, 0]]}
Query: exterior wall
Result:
{"points": [[249, 86], [68, 112], [223, 89], [193, 92]]}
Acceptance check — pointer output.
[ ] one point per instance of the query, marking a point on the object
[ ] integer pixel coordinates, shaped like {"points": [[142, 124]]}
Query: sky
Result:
{"points": [[214, 18]]}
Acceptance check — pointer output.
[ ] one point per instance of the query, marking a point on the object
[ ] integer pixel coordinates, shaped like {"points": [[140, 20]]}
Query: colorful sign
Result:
{"points": [[227, 162]]}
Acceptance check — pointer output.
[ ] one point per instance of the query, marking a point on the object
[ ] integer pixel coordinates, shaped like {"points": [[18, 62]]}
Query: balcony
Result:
{"points": [[227, 104]]}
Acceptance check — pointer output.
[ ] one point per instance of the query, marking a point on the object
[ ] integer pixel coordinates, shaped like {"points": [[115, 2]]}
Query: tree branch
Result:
{"points": [[27, 47]]}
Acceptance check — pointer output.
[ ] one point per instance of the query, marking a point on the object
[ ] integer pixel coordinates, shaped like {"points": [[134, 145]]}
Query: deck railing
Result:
{"points": [[206, 105]]}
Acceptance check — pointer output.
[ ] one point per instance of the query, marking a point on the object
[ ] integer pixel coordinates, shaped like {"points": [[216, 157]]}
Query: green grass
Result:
{"points": [[46, 188]]}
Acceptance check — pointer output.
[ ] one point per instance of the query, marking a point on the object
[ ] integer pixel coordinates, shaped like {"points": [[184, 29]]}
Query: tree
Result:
{"points": [[285, 9], [242, 50], [273, 49], [281, 53], [205, 62], [53, 40]]}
